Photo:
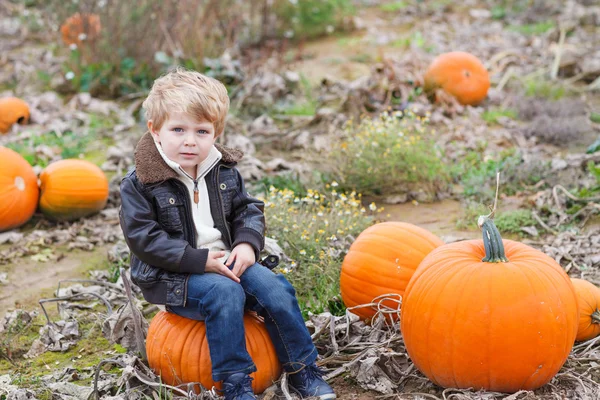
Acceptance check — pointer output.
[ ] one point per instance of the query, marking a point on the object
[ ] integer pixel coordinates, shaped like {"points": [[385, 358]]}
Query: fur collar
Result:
{"points": [[151, 168]]}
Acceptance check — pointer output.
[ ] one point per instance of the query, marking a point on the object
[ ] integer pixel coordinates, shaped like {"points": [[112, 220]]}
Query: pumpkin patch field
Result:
{"points": [[430, 174]]}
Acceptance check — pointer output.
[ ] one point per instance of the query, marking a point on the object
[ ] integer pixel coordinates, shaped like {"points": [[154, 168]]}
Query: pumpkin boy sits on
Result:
{"points": [[195, 236]]}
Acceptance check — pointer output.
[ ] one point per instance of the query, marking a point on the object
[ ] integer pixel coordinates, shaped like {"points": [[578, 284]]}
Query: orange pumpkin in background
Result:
{"points": [[12, 111], [588, 295], [19, 192], [489, 314], [71, 189], [178, 351], [382, 260], [460, 74], [80, 27]]}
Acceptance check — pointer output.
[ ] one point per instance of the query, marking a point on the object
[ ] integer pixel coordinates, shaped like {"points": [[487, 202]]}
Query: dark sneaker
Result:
{"points": [[308, 382], [238, 387]]}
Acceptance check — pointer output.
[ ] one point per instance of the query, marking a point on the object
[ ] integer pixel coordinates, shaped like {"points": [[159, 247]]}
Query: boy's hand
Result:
{"points": [[214, 265], [243, 255]]}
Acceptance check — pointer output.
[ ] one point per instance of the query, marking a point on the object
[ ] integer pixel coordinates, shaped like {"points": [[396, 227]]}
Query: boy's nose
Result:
{"points": [[189, 140]]}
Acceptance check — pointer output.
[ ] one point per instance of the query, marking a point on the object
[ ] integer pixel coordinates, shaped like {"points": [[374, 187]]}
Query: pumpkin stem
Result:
{"points": [[492, 241], [596, 317]]}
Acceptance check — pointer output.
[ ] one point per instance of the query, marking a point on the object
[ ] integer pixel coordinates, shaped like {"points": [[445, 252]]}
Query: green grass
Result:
{"points": [[539, 87], [491, 116], [533, 29], [306, 108], [509, 223], [477, 175], [392, 7], [416, 40], [68, 144]]}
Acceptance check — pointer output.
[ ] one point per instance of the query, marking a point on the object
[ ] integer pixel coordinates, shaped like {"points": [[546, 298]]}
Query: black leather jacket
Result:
{"points": [[158, 226]]}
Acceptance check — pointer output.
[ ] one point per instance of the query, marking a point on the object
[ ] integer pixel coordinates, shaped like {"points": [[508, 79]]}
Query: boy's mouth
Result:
{"points": [[188, 154]]}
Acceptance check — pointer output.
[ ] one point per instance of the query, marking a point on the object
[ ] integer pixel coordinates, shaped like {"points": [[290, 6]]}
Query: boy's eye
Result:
{"points": [[178, 130], [202, 132]]}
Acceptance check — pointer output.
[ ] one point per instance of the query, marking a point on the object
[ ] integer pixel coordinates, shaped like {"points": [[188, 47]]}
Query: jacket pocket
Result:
{"points": [[169, 208], [143, 274], [228, 190]]}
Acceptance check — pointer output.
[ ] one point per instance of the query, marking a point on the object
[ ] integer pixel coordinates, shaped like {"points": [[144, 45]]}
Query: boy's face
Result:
{"points": [[185, 140]]}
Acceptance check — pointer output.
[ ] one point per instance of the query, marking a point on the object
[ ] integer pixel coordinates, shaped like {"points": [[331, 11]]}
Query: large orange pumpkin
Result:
{"points": [[588, 295], [19, 192], [178, 351], [79, 27], [459, 74], [489, 314], [12, 111], [72, 189], [382, 260]]}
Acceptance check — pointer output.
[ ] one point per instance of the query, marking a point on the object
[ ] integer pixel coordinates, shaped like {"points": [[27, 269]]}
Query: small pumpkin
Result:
{"points": [[12, 111], [460, 74], [79, 27], [19, 192], [71, 189], [382, 260], [178, 351], [588, 295], [489, 314]]}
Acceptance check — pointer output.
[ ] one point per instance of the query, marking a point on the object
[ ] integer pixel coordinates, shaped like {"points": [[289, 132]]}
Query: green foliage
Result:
{"points": [[477, 175], [306, 19], [288, 181], [533, 29], [491, 116], [307, 106], [385, 155], [508, 222], [392, 7], [498, 12], [595, 118], [415, 40], [68, 144], [315, 231], [512, 221], [150, 36], [538, 87], [105, 78], [71, 145]]}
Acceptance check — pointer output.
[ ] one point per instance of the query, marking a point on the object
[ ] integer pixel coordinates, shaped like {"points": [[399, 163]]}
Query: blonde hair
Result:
{"points": [[190, 92]]}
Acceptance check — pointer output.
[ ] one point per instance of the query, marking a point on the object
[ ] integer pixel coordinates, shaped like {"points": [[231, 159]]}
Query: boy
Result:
{"points": [[195, 236]]}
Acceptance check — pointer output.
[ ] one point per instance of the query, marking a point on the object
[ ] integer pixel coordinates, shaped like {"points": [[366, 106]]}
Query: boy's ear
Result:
{"points": [[151, 129]]}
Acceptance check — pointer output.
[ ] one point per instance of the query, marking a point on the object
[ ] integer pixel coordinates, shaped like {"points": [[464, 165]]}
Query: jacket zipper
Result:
{"points": [[188, 210], [196, 191]]}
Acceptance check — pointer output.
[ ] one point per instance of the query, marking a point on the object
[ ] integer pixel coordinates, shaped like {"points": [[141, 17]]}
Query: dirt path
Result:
{"points": [[29, 280]]}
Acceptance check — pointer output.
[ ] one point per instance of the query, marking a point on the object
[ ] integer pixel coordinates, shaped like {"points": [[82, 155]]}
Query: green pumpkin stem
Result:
{"points": [[492, 241], [596, 317]]}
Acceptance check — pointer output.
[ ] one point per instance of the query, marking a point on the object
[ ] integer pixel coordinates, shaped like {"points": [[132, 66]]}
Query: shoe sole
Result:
{"points": [[329, 396]]}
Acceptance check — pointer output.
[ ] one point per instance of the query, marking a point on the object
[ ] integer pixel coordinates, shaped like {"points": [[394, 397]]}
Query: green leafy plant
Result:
{"points": [[492, 115], [308, 19], [392, 7], [539, 87], [315, 231], [533, 29], [387, 155], [474, 173]]}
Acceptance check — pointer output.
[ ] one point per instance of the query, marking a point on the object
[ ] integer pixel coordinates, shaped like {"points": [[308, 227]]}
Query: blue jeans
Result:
{"points": [[220, 302]]}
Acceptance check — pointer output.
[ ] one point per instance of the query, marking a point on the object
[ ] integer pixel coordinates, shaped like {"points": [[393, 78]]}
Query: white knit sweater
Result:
{"points": [[208, 237]]}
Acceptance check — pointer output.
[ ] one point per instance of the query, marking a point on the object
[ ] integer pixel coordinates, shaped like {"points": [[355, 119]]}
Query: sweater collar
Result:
{"points": [[152, 168], [213, 157]]}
